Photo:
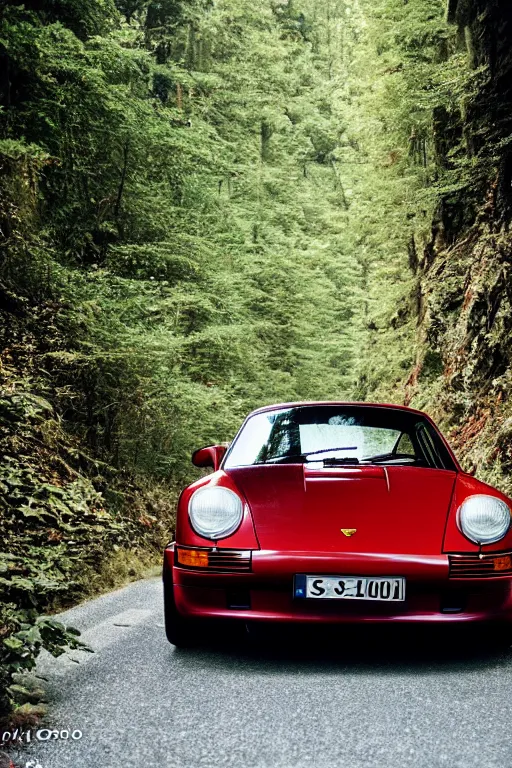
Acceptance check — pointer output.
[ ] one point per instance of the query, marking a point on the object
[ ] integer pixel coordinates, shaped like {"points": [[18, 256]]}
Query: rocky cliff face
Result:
{"points": [[463, 372]]}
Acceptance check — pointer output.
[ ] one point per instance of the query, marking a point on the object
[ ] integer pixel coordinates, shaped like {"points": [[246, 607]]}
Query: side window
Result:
{"points": [[404, 446], [427, 446]]}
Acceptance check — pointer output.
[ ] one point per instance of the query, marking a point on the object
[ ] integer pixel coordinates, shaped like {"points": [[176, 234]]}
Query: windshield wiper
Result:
{"points": [[384, 458], [304, 456], [326, 450], [340, 462]]}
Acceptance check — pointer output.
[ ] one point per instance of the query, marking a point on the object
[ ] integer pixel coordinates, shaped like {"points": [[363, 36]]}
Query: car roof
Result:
{"points": [[391, 406]]}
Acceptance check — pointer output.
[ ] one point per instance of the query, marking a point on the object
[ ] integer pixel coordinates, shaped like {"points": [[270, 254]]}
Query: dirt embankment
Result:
{"points": [[463, 297]]}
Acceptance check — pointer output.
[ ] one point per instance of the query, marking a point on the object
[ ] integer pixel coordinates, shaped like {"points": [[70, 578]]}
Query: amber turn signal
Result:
{"points": [[195, 558], [503, 563]]}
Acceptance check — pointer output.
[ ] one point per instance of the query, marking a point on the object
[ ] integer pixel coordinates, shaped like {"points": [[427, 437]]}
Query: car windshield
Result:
{"points": [[337, 435]]}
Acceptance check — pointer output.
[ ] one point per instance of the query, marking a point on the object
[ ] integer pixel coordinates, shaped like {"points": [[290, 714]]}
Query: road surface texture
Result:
{"points": [[370, 700]]}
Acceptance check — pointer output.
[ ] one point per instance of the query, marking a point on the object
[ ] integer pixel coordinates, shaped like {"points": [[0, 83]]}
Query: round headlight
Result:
{"points": [[484, 519], [215, 512]]}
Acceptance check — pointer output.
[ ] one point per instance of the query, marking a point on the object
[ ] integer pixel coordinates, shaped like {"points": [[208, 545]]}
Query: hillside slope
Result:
{"points": [[463, 369]]}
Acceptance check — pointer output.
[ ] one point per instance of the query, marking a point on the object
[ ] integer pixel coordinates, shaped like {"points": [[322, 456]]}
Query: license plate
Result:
{"points": [[350, 588]]}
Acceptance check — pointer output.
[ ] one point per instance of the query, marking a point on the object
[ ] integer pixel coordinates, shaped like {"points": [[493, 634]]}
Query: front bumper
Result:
{"points": [[266, 592]]}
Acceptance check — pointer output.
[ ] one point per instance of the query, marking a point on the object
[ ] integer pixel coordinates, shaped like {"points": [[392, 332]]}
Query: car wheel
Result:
{"points": [[178, 629], [488, 637], [185, 633], [498, 637]]}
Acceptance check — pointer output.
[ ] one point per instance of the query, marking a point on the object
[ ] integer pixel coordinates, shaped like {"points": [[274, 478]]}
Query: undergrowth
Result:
{"points": [[61, 540]]}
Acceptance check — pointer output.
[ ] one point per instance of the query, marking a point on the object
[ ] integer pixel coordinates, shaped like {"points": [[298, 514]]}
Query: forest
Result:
{"points": [[209, 205]]}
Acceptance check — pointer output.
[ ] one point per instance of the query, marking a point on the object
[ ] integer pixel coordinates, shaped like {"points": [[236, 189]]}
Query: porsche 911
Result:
{"points": [[329, 513]]}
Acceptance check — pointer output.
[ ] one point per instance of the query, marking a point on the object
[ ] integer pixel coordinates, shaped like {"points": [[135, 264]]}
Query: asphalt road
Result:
{"points": [[371, 700]]}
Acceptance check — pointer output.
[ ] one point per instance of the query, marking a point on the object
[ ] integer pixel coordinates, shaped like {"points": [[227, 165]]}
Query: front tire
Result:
{"points": [[177, 629], [497, 637], [185, 633]]}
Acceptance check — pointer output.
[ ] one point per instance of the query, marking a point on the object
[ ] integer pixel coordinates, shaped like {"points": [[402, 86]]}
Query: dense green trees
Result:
{"points": [[189, 201], [230, 197]]}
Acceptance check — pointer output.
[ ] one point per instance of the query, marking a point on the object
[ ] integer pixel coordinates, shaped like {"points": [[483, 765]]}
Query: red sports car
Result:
{"points": [[336, 512]]}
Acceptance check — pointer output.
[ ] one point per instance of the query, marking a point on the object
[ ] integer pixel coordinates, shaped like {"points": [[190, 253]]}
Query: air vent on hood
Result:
{"points": [[474, 567]]}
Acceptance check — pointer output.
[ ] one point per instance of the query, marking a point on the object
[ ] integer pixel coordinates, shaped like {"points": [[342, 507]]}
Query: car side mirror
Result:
{"points": [[211, 456]]}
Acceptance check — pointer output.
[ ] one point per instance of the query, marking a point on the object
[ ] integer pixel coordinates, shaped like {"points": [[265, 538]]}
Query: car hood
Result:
{"points": [[392, 509]]}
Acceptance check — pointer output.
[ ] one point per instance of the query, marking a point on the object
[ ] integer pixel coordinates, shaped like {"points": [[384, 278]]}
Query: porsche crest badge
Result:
{"points": [[348, 531]]}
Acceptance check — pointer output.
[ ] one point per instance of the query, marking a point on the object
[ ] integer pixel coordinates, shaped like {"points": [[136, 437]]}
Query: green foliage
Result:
{"points": [[56, 528]]}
